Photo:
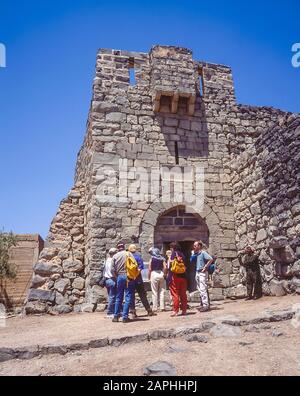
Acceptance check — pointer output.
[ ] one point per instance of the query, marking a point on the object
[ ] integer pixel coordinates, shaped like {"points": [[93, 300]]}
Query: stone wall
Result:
{"points": [[265, 179], [59, 274], [180, 114]]}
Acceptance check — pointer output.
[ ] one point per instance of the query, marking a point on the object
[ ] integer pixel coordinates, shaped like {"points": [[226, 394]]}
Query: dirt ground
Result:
{"points": [[267, 354]]}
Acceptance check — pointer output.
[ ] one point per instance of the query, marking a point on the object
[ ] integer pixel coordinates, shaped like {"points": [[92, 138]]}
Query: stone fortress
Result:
{"points": [[182, 114]]}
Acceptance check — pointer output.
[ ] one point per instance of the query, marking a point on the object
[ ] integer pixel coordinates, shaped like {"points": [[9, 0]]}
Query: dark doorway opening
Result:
{"points": [[186, 248], [176, 224]]}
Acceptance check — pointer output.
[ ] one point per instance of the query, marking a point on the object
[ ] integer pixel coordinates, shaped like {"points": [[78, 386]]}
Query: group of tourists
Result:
{"points": [[123, 278]]}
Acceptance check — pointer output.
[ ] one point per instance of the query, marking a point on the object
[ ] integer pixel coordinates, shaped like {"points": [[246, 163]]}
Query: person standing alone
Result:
{"points": [[250, 261]]}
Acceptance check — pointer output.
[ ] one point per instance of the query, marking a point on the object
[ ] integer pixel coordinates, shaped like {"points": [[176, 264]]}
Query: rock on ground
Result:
{"points": [[160, 368]]}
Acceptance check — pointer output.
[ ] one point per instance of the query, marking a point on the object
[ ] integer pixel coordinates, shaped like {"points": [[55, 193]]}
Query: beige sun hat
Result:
{"points": [[112, 251]]}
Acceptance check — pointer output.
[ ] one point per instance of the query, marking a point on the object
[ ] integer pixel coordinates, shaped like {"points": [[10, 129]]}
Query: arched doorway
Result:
{"points": [[178, 225]]}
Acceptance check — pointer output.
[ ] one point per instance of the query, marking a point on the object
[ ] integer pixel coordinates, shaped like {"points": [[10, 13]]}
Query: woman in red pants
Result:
{"points": [[177, 280]]}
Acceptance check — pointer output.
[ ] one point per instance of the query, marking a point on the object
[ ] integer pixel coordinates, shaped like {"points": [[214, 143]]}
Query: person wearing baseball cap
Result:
{"points": [[120, 246]]}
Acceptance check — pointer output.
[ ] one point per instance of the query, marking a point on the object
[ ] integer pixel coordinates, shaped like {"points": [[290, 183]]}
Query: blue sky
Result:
{"points": [[45, 90]]}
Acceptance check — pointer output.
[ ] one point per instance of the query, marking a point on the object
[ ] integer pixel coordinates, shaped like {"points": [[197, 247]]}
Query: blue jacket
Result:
{"points": [[141, 266]]}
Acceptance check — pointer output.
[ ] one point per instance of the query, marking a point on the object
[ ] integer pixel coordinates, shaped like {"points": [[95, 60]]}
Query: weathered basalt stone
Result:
{"points": [[160, 368], [62, 284], [41, 295], [78, 283], [48, 253], [62, 309], [277, 288], [36, 307], [72, 265], [46, 269], [38, 281], [196, 338]]}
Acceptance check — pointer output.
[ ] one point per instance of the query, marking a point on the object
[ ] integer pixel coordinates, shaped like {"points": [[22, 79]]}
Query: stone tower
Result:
{"points": [[172, 156]]}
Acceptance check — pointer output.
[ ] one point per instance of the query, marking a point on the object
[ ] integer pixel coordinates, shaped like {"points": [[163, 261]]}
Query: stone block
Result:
{"points": [[115, 117], [46, 269], [277, 288], [36, 307], [261, 235], [37, 281], [62, 309], [7, 354], [48, 253], [61, 285], [87, 307], [296, 209], [239, 291], [221, 281], [41, 295], [61, 299], [78, 283], [160, 368], [70, 265]]}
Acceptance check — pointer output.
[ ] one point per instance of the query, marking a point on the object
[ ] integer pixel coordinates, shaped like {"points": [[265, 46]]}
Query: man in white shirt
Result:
{"points": [[110, 283], [202, 260]]}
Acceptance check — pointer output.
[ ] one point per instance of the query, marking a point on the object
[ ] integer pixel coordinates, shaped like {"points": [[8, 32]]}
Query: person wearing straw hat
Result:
{"points": [[139, 285], [250, 261]]}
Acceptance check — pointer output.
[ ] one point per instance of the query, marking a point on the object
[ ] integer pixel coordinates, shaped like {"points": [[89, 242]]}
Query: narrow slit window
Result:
{"points": [[176, 154], [132, 79], [201, 85]]}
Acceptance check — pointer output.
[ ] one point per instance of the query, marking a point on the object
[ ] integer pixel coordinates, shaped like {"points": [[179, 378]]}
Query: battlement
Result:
{"points": [[173, 77]]}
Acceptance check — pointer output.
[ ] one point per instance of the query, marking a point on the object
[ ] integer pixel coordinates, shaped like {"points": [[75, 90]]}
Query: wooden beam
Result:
{"points": [[191, 105], [174, 106]]}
